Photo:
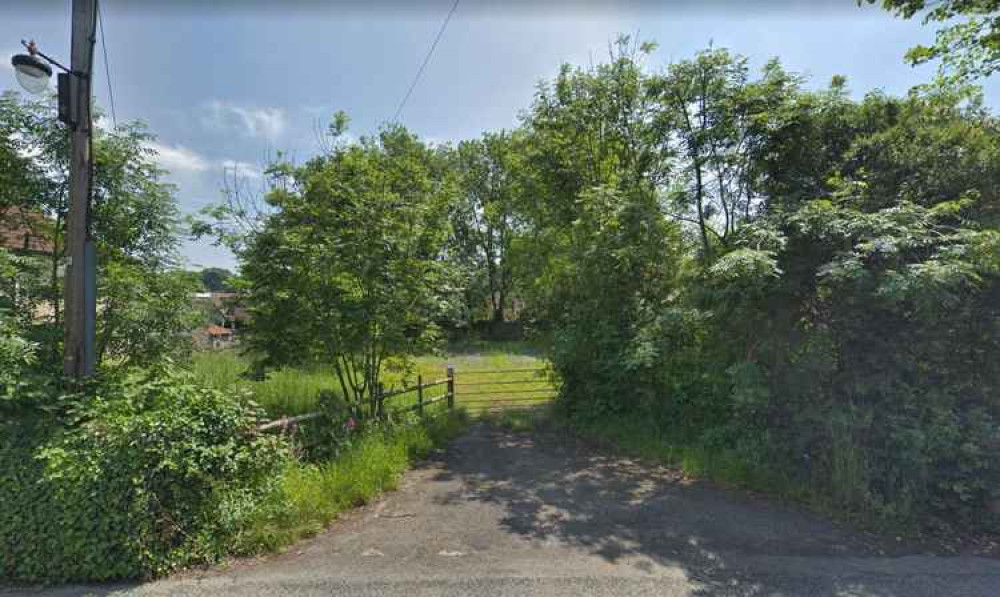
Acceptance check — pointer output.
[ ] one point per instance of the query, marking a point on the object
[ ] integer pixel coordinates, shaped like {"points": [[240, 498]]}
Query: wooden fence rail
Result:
{"points": [[290, 423], [482, 395]]}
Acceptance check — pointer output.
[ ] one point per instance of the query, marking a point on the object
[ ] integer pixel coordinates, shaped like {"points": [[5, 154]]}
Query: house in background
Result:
{"points": [[29, 234], [23, 231], [227, 317], [223, 308], [216, 337]]}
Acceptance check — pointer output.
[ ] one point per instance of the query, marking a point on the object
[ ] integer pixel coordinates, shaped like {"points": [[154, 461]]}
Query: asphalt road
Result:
{"points": [[502, 514]]}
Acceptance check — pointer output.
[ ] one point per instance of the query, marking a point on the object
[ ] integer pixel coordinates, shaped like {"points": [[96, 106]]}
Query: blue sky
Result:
{"points": [[225, 84]]}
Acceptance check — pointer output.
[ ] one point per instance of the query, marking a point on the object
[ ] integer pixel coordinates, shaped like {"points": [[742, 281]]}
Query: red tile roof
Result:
{"points": [[218, 330], [22, 230]]}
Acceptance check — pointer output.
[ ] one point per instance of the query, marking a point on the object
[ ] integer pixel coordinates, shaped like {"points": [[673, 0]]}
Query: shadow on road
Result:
{"points": [[556, 490]]}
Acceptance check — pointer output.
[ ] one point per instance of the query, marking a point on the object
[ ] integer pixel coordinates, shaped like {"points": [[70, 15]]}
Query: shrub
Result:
{"points": [[140, 476]]}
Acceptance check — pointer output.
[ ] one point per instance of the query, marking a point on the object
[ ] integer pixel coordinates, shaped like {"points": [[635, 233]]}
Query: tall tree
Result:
{"points": [[589, 128], [348, 269], [216, 279], [485, 219], [134, 226], [720, 120]]}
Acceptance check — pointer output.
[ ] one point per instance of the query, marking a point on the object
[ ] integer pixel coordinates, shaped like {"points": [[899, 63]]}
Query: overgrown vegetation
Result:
{"points": [[146, 312], [839, 330], [284, 392], [351, 247], [143, 469], [776, 287], [758, 272], [294, 391], [129, 479]]}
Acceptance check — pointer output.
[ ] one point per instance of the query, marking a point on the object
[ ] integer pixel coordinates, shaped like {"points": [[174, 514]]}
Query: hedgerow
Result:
{"points": [[130, 479]]}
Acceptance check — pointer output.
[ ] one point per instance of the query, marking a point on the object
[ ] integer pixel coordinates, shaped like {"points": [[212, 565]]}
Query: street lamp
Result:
{"points": [[33, 73]]}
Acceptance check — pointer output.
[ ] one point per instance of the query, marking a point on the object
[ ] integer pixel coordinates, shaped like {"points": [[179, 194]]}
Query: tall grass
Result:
{"points": [[310, 496], [295, 391], [284, 393]]}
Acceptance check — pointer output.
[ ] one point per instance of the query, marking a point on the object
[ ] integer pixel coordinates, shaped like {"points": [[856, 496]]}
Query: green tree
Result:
{"points": [[720, 121], [484, 224], [968, 40], [850, 323], [587, 129], [348, 267], [215, 279], [843, 325], [134, 226]]}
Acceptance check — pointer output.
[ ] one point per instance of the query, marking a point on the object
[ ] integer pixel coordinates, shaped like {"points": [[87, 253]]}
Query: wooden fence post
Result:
{"points": [[420, 395], [380, 401], [451, 386]]}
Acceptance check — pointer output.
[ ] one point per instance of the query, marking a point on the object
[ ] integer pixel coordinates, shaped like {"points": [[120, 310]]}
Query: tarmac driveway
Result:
{"points": [[502, 513]]}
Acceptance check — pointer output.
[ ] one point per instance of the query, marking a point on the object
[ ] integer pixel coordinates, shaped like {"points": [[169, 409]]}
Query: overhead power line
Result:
{"points": [[107, 67], [427, 59]]}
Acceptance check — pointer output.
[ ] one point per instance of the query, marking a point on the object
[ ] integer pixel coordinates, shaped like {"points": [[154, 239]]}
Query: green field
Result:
{"points": [[294, 391]]}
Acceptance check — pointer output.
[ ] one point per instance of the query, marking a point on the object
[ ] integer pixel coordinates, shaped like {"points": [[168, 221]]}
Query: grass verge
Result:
{"points": [[308, 496], [642, 438]]}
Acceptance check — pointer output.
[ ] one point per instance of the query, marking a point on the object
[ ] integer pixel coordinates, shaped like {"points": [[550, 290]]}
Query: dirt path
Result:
{"points": [[510, 514]]}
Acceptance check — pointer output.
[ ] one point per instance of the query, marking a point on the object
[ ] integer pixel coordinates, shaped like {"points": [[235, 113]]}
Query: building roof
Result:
{"points": [[22, 230], [218, 330]]}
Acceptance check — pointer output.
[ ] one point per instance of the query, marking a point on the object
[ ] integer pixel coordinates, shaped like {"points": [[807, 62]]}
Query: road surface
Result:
{"points": [[501, 513]]}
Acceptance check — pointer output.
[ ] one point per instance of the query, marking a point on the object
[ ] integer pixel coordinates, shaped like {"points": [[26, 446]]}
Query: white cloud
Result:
{"points": [[182, 162], [178, 158], [267, 123]]}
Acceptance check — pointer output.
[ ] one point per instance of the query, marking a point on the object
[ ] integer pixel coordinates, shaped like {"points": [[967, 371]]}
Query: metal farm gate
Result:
{"points": [[485, 390]]}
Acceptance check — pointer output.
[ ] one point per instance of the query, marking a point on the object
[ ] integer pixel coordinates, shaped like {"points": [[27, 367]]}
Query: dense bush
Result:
{"points": [[131, 479], [854, 334], [787, 286], [856, 356]]}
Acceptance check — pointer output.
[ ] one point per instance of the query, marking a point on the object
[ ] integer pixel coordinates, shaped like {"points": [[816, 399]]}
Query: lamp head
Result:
{"points": [[32, 72]]}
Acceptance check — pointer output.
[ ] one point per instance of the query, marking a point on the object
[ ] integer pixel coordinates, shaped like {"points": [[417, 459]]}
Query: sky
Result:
{"points": [[226, 84]]}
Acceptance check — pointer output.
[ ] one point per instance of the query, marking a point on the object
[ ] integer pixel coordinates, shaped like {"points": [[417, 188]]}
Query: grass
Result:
{"points": [[295, 391], [284, 393], [842, 498], [311, 496]]}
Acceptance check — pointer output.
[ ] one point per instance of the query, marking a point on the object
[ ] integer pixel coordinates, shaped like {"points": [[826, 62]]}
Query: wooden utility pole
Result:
{"points": [[81, 291]]}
